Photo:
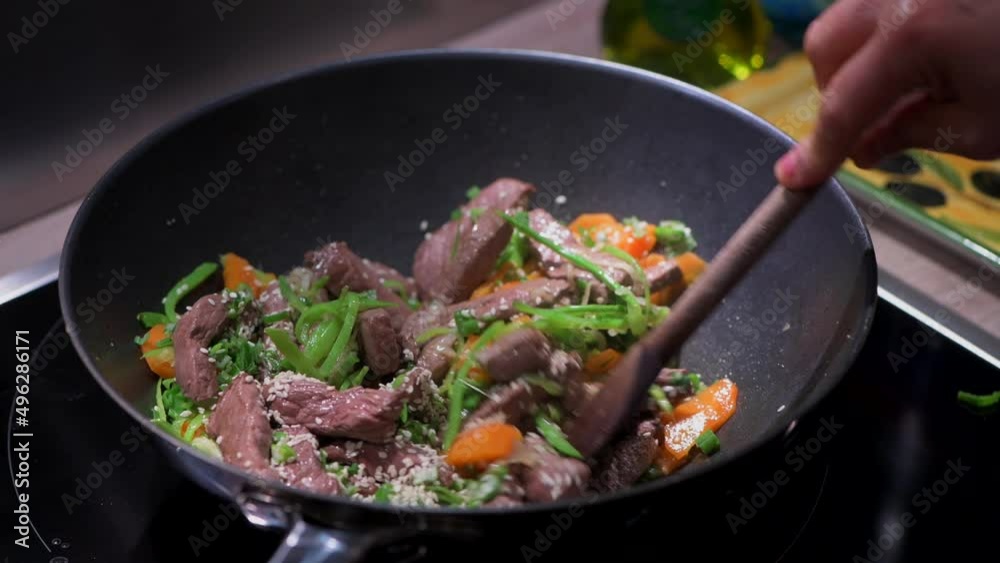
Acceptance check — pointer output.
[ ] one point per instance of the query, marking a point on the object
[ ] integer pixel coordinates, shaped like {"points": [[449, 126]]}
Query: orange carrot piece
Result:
{"points": [[483, 445], [708, 410], [691, 266], [237, 270], [638, 246], [591, 220], [160, 361], [601, 362]]}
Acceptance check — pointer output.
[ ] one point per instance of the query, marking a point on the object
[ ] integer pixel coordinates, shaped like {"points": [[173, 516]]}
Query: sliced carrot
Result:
{"points": [[639, 246], [691, 266], [708, 410], [160, 360], [591, 220], [651, 260], [483, 445], [601, 362], [198, 432], [506, 276], [237, 270]]}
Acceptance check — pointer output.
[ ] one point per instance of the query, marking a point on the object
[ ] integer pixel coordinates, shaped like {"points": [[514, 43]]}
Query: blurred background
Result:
{"points": [[71, 66]]}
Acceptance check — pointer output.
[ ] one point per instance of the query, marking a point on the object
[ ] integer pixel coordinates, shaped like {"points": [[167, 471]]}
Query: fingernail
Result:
{"points": [[787, 169]]}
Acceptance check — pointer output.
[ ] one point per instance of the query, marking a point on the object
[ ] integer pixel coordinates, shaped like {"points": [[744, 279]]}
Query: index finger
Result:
{"points": [[866, 88]]}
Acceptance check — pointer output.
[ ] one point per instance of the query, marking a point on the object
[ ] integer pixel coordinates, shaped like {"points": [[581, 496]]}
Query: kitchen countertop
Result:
{"points": [[954, 295]]}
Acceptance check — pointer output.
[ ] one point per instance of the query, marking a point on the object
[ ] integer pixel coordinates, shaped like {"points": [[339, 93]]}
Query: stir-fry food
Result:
{"points": [[454, 387]]}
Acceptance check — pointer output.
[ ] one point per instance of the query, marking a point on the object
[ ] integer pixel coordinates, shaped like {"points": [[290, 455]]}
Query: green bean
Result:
{"points": [[185, 286]]}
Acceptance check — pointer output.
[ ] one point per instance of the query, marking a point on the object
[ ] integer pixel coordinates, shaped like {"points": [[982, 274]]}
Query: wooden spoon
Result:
{"points": [[628, 383]]}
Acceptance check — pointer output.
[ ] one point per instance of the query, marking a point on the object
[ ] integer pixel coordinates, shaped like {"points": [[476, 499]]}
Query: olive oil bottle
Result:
{"points": [[704, 42]]}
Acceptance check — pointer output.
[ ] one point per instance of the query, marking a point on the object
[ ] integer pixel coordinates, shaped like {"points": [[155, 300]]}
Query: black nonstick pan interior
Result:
{"points": [[591, 136]]}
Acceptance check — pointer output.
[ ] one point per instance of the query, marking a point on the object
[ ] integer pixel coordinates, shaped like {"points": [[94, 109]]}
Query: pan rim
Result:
{"points": [[851, 348]]}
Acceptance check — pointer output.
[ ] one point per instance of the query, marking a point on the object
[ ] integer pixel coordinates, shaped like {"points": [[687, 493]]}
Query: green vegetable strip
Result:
{"points": [[317, 312], [658, 395], [293, 299], [446, 496], [432, 333], [979, 401], [317, 285], [708, 442], [631, 303], [322, 340], [455, 395], [150, 319], [286, 345], [185, 286], [555, 437], [637, 270], [276, 317], [332, 367], [554, 318]]}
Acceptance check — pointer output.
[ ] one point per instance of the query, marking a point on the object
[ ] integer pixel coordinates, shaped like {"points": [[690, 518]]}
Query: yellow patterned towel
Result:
{"points": [[951, 196]]}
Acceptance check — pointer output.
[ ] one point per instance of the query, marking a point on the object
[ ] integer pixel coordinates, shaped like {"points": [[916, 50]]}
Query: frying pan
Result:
{"points": [[368, 150]]}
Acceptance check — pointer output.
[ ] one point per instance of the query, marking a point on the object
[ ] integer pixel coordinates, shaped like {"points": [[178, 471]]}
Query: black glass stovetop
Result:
{"points": [[907, 473]]}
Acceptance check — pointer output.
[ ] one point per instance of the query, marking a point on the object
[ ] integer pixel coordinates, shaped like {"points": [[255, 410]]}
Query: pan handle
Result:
{"points": [[310, 543]]}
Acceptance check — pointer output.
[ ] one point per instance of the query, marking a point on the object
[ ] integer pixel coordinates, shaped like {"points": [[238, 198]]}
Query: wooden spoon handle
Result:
{"points": [[629, 381], [733, 261]]}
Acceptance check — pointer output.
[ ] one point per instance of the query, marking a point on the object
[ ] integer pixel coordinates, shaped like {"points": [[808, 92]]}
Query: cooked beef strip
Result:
{"points": [[523, 351], [432, 316], [546, 475], [555, 266], [498, 305], [306, 471], [624, 461], [511, 493], [512, 403], [194, 333], [358, 413], [390, 460], [460, 255], [271, 302], [378, 342], [566, 368], [438, 355], [504, 501], [239, 425], [388, 273], [344, 268], [662, 275]]}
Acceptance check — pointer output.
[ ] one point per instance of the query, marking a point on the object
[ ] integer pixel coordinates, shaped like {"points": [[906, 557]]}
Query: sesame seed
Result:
{"points": [[560, 199]]}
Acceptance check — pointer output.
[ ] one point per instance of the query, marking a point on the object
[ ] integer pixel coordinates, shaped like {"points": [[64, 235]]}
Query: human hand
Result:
{"points": [[899, 74]]}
